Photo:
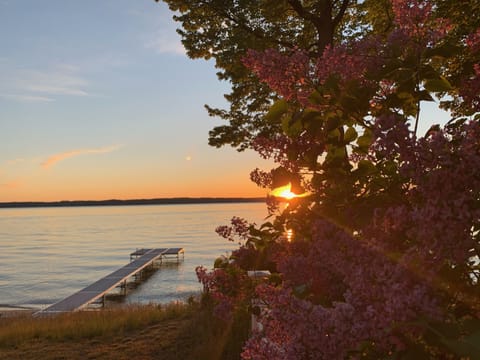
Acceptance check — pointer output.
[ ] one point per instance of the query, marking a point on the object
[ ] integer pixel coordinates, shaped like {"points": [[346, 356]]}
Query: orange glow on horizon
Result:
{"points": [[74, 186], [120, 176]]}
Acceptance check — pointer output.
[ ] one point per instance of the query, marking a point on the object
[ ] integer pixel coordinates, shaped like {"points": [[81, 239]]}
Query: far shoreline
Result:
{"points": [[116, 202]]}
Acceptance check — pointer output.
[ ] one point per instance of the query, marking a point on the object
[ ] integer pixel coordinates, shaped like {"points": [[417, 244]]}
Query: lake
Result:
{"points": [[49, 253]]}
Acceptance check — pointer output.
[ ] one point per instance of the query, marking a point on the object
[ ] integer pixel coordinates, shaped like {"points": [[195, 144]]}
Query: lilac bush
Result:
{"points": [[384, 260]]}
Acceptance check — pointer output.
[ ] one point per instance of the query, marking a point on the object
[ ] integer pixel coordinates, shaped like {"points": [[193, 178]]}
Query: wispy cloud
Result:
{"points": [[28, 85], [26, 98], [159, 31], [63, 80], [54, 159], [166, 41]]}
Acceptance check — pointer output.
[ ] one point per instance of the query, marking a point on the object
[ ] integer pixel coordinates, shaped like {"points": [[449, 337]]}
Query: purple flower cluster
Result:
{"points": [[237, 231], [470, 90], [226, 286], [341, 289], [414, 19], [285, 73], [389, 240]]}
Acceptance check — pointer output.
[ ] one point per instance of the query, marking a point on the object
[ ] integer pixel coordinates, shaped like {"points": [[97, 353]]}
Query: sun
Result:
{"points": [[286, 192]]}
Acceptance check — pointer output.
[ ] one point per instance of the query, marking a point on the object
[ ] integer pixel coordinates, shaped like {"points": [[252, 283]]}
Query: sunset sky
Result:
{"points": [[99, 101]]}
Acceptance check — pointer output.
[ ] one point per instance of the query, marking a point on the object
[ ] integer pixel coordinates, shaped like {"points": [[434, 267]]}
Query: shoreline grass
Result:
{"points": [[86, 324], [176, 330]]}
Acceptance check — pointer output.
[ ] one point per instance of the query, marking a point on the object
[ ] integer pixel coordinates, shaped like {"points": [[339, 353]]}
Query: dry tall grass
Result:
{"points": [[173, 331], [86, 324]]}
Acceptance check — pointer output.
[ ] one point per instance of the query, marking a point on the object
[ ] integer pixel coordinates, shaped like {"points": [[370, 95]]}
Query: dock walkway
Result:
{"points": [[140, 259]]}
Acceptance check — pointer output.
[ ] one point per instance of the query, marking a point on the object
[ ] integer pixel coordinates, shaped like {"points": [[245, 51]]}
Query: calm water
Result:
{"points": [[47, 254]]}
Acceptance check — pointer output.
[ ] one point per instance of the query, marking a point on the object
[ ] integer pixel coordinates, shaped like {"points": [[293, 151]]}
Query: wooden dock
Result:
{"points": [[139, 260]]}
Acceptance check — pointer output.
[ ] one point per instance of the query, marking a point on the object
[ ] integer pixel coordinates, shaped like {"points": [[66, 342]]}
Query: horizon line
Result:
{"points": [[141, 201]]}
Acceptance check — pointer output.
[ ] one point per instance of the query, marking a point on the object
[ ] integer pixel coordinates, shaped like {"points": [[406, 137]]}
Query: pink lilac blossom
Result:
{"points": [[473, 41], [414, 19], [225, 288], [470, 90], [238, 231], [295, 76], [286, 74], [347, 64], [359, 288], [386, 88]]}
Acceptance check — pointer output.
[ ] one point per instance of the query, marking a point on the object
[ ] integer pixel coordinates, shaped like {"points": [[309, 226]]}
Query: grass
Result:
{"points": [[85, 325], [173, 331]]}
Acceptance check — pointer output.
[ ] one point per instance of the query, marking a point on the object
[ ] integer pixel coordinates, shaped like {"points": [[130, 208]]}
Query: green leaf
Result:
{"points": [[312, 120], [404, 95], [333, 135], [446, 50], [276, 111], [365, 140], [335, 155], [311, 115], [316, 98], [220, 262], [467, 347], [390, 168], [292, 154], [425, 96], [350, 135], [428, 72], [403, 74], [472, 325], [310, 159], [318, 179], [268, 224], [474, 340], [437, 85], [332, 122], [366, 167], [292, 127], [415, 352], [300, 290]]}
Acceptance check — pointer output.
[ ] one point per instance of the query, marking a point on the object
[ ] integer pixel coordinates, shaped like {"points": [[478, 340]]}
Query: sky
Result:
{"points": [[99, 101]]}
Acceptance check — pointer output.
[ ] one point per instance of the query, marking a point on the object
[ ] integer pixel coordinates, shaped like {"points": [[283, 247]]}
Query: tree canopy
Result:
{"points": [[225, 30]]}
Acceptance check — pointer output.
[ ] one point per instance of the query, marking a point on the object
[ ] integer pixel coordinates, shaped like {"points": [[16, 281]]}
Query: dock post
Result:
{"points": [[124, 287]]}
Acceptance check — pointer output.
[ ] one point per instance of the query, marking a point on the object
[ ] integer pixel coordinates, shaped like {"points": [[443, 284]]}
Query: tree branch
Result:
{"points": [[341, 12], [304, 14], [255, 32]]}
